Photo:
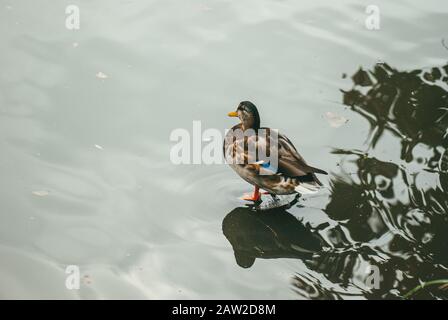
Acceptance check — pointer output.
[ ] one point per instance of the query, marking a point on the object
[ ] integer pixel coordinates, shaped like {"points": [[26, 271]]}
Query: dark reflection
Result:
{"points": [[278, 234], [384, 214], [376, 197], [270, 234], [412, 105]]}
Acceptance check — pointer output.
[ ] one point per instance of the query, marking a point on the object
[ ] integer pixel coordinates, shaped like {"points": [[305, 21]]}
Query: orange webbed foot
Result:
{"points": [[251, 197], [256, 196]]}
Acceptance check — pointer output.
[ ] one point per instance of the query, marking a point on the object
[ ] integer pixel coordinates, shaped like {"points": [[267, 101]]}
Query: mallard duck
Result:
{"points": [[291, 174]]}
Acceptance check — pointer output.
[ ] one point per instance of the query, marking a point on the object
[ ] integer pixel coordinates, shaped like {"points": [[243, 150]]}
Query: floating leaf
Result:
{"points": [[335, 120], [41, 193], [101, 75]]}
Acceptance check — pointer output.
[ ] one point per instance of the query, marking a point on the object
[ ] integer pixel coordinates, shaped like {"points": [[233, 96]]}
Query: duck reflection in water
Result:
{"points": [[268, 234], [276, 233]]}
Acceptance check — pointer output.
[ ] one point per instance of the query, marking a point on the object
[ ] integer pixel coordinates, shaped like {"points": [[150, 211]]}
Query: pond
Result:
{"points": [[86, 116]]}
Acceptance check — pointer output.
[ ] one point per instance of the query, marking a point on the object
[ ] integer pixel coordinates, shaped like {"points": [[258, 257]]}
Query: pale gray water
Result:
{"points": [[86, 174]]}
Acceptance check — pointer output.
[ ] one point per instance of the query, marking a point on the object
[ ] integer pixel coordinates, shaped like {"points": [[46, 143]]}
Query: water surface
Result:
{"points": [[86, 174]]}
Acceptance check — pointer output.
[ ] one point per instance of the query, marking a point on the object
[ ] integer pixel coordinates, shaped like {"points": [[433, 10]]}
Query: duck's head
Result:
{"points": [[248, 114]]}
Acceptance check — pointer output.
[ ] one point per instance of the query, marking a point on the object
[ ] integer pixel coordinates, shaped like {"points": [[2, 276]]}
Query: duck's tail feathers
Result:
{"points": [[307, 188], [317, 170], [310, 178]]}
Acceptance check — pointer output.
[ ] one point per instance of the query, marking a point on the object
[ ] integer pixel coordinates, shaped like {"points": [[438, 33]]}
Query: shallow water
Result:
{"points": [[87, 178]]}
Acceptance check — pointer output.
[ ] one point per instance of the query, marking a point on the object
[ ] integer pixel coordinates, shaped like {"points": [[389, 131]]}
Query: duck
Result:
{"points": [[291, 174]]}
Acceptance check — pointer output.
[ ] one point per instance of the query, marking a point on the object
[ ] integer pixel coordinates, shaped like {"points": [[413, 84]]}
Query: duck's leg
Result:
{"points": [[274, 197], [256, 196]]}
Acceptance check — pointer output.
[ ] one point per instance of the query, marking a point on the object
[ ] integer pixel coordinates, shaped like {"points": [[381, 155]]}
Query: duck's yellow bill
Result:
{"points": [[233, 114]]}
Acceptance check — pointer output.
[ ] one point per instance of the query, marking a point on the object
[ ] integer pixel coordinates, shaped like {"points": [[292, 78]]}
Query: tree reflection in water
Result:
{"points": [[389, 214]]}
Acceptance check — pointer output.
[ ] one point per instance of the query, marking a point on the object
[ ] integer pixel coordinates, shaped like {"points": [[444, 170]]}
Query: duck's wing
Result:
{"points": [[240, 149], [290, 162]]}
